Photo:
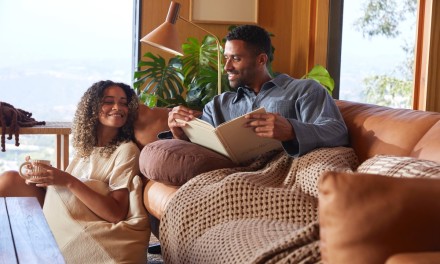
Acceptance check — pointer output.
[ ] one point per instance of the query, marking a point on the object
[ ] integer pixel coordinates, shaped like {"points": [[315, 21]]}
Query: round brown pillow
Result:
{"points": [[174, 161]]}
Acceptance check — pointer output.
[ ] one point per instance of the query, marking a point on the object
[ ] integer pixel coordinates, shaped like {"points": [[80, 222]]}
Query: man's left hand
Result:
{"points": [[271, 125]]}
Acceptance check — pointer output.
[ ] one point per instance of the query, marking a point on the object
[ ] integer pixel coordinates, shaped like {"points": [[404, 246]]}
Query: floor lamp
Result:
{"points": [[165, 37]]}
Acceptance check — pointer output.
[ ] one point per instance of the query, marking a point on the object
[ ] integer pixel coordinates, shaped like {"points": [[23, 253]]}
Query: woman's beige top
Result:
{"points": [[82, 236]]}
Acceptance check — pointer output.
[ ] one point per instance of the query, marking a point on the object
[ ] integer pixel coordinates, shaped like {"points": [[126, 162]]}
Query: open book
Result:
{"points": [[231, 138]]}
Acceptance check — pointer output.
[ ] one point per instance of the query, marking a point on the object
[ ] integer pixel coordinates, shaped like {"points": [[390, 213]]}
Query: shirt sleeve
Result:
{"points": [[319, 124]]}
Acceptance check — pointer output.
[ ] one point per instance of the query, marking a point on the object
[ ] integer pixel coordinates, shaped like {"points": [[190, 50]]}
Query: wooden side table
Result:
{"points": [[61, 130], [25, 236]]}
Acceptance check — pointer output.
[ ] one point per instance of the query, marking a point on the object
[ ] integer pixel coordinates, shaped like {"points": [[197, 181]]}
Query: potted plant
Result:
{"points": [[190, 80]]}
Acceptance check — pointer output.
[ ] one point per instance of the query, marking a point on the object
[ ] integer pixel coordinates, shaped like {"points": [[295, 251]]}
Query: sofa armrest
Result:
{"points": [[157, 196]]}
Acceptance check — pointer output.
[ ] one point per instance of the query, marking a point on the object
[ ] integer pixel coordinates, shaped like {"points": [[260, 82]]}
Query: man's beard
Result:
{"points": [[234, 84]]}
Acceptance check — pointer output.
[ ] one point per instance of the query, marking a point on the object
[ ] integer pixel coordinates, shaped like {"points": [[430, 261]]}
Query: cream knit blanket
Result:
{"points": [[262, 213]]}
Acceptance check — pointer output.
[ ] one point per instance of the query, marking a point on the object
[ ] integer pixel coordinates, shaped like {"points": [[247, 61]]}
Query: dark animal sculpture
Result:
{"points": [[14, 118]]}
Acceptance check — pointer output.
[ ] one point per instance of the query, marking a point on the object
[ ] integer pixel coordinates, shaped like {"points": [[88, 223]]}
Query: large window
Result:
{"points": [[378, 42], [51, 51]]}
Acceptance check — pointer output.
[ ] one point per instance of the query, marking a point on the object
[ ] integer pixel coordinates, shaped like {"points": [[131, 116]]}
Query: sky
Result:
{"points": [[46, 29], [362, 57], [60, 48]]}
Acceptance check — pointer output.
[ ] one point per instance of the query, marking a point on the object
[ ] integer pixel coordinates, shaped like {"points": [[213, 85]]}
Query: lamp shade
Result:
{"points": [[165, 36]]}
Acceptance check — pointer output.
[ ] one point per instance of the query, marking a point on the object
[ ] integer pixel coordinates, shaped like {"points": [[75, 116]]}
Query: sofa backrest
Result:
{"points": [[372, 129], [383, 130], [149, 122]]}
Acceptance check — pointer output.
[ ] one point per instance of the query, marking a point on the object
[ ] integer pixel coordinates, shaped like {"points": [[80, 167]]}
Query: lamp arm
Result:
{"points": [[217, 41]]}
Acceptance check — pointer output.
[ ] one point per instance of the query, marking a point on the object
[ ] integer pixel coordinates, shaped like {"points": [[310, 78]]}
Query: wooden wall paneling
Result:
{"points": [[421, 50], [300, 38], [321, 33], [433, 74], [309, 35], [427, 66], [312, 33], [276, 16]]}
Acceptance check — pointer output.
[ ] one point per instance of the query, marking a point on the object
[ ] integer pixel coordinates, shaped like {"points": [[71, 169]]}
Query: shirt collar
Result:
{"points": [[279, 81]]}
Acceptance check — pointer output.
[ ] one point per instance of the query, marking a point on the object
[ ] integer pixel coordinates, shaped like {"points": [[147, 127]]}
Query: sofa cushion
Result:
{"points": [[400, 167], [174, 161], [369, 217]]}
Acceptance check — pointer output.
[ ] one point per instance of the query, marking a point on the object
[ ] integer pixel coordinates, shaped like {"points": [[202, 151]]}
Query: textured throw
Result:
{"points": [[265, 212]]}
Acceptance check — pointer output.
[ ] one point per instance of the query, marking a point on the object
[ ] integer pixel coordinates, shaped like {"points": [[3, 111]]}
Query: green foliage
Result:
{"points": [[162, 82], [388, 91], [382, 17], [320, 74], [190, 80], [200, 71]]}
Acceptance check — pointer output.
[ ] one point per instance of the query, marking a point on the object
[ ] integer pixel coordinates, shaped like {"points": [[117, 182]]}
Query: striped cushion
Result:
{"points": [[405, 167]]}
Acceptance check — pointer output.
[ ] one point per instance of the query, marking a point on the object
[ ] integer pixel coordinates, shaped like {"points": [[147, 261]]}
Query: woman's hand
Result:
{"points": [[50, 176]]}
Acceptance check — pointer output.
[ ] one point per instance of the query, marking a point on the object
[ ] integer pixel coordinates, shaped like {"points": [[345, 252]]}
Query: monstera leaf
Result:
{"points": [[158, 83], [200, 71]]}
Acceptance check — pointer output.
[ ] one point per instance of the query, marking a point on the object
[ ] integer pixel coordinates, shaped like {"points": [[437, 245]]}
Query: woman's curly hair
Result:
{"points": [[86, 120]]}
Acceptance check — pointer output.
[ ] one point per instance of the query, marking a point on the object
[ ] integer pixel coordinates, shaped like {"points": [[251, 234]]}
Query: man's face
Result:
{"points": [[240, 64]]}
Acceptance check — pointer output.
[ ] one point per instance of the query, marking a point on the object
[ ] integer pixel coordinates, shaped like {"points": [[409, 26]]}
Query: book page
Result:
{"points": [[203, 133], [242, 142], [231, 138]]}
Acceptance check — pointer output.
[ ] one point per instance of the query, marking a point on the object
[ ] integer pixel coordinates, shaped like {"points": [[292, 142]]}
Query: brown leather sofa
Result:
{"points": [[374, 219], [373, 130]]}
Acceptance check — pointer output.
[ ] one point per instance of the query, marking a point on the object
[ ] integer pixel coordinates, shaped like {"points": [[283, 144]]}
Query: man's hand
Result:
{"points": [[183, 113], [271, 125]]}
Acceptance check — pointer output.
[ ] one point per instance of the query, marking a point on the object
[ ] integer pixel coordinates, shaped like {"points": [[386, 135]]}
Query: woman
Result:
{"points": [[94, 208]]}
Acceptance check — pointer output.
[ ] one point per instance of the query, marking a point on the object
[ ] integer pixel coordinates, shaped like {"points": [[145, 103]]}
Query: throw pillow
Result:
{"points": [[400, 167], [366, 218], [174, 161]]}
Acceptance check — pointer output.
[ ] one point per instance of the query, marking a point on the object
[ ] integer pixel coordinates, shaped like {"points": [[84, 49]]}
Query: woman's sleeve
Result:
{"points": [[125, 166]]}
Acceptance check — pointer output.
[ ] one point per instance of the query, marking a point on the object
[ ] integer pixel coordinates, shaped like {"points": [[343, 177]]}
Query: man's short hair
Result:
{"points": [[254, 36]]}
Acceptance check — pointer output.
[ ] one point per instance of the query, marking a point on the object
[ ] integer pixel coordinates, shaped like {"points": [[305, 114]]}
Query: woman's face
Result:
{"points": [[114, 107]]}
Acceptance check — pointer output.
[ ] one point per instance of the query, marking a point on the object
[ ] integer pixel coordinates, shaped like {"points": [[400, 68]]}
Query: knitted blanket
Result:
{"points": [[265, 212]]}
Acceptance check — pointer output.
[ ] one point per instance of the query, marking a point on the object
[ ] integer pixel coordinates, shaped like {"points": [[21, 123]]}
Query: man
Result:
{"points": [[300, 113]]}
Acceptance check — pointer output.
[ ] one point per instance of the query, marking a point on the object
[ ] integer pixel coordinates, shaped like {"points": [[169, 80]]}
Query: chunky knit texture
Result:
{"points": [[265, 212]]}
